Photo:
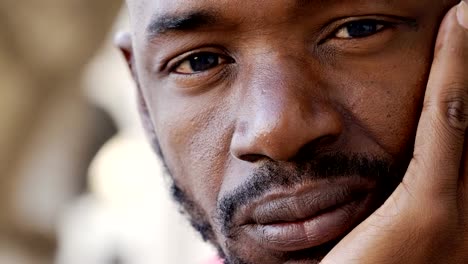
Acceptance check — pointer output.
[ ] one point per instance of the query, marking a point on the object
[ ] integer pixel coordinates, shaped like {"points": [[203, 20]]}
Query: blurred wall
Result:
{"points": [[127, 215], [63, 86], [48, 131]]}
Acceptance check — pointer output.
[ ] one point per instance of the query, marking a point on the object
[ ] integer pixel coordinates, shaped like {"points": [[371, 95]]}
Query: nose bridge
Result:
{"points": [[285, 109], [277, 67], [277, 96], [280, 79]]}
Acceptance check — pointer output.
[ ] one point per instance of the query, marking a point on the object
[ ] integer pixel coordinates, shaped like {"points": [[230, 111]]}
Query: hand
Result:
{"points": [[426, 219]]}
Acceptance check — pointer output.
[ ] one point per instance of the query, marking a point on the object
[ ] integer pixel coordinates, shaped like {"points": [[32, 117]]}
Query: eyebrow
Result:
{"points": [[200, 19], [181, 22]]}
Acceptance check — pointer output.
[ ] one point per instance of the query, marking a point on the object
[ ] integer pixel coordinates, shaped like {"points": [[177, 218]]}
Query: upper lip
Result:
{"points": [[308, 200]]}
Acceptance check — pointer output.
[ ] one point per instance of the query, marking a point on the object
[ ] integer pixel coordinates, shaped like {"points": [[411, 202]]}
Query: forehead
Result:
{"points": [[166, 5], [143, 12]]}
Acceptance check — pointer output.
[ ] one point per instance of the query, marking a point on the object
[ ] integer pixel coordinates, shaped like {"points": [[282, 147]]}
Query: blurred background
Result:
{"points": [[78, 181]]}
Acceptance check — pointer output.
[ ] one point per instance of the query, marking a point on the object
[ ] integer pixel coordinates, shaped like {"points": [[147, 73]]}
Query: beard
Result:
{"points": [[332, 166]]}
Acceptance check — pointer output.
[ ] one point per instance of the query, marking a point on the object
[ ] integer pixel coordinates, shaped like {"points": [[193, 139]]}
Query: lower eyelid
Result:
{"points": [[201, 74], [204, 81], [362, 46]]}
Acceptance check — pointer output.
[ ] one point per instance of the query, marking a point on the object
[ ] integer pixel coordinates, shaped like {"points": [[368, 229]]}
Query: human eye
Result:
{"points": [[199, 62], [360, 29], [366, 34]]}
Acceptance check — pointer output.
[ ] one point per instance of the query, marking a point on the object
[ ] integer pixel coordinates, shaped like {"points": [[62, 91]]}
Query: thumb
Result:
{"points": [[441, 131]]}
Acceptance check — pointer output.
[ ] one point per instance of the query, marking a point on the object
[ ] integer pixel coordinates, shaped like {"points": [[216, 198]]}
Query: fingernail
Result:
{"points": [[462, 13]]}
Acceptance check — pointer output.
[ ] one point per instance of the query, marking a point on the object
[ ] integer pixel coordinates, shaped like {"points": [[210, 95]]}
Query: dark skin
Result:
{"points": [[287, 125]]}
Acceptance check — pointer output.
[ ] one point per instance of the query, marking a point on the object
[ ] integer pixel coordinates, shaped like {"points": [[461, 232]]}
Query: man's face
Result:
{"points": [[283, 123]]}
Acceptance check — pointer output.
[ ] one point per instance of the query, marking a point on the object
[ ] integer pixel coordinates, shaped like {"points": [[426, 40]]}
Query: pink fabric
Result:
{"points": [[215, 260]]}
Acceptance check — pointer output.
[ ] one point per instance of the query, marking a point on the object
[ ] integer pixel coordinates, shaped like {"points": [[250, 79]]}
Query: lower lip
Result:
{"points": [[311, 232]]}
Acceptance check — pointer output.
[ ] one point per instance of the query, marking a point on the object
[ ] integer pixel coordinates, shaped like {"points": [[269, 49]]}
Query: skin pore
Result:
{"points": [[252, 104]]}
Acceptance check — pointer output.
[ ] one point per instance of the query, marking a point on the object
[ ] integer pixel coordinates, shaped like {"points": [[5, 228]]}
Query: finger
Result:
{"points": [[463, 19], [441, 131]]}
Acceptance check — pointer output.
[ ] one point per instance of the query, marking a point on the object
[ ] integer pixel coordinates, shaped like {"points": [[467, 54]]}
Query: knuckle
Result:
{"points": [[454, 104]]}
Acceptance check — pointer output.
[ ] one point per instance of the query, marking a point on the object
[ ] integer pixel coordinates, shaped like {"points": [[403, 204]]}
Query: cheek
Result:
{"points": [[195, 138], [387, 99], [391, 115]]}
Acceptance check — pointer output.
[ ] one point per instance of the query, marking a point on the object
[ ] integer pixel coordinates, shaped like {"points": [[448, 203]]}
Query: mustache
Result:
{"points": [[386, 174]]}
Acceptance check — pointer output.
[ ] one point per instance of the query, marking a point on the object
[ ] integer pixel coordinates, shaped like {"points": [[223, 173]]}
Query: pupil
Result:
{"points": [[203, 62], [361, 29]]}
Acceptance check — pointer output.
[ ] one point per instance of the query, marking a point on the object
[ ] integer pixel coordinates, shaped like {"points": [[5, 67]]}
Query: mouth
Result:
{"points": [[312, 215]]}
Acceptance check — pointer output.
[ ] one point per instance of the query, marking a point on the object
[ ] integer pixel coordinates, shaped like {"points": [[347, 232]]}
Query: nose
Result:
{"points": [[284, 111]]}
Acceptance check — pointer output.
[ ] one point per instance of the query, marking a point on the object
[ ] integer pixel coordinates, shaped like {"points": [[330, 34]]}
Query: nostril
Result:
{"points": [[252, 157]]}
